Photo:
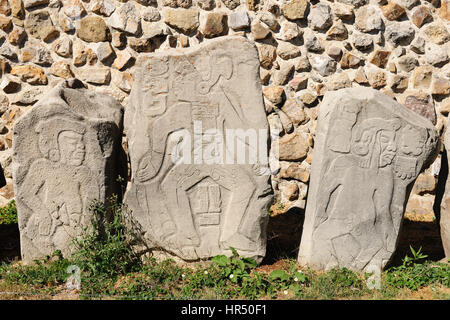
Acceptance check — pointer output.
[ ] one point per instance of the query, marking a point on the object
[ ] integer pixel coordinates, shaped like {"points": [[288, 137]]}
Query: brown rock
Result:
{"points": [[40, 26], [274, 94], [17, 9], [377, 80], [5, 23], [334, 52], [294, 9], [122, 59], [185, 20], [293, 147], [425, 183], [213, 24], [308, 98], [440, 86], [393, 11], [337, 32], [399, 83], [349, 60], [93, 29], [421, 15], [422, 77], [437, 33], [296, 171], [380, 58], [9, 84], [267, 54], [299, 82], [17, 37], [444, 10], [140, 44], [294, 110], [5, 8], [61, 69], [31, 74]]}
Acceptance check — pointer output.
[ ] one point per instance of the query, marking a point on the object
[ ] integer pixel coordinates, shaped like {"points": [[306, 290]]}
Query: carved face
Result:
{"points": [[412, 141], [387, 147], [71, 148]]}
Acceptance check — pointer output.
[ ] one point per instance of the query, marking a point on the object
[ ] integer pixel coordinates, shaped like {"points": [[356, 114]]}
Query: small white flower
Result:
{"points": [[231, 276], [206, 272], [183, 275], [296, 279], [285, 292]]}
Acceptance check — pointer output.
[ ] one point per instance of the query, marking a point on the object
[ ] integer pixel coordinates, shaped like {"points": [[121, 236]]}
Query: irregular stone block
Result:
{"points": [[67, 153], [189, 200], [368, 152], [445, 204]]}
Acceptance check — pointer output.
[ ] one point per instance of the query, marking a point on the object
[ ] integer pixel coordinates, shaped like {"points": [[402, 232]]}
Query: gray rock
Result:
{"points": [[185, 200], [319, 17], [355, 3], [323, 64], [368, 151], [400, 33], [436, 55], [407, 63], [362, 41], [66, 155], [238, 20], [151, 14], [126, 18], [368, 18], [312, 44], [418, 45]]}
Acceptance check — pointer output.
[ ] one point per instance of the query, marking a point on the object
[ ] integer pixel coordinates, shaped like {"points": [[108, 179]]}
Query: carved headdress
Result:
{"points": [[49, 131]]}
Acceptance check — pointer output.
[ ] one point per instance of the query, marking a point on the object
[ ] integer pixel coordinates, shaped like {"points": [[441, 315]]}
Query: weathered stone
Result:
{"points": [[17, 9], [259, 29], [379, 58], [61, 69], [444, 10], [191, 208], [67, 148], [9, 84], [5, 8], [422, 105], [206, 4], [407, 63], [399, 83], [360, 76], [238, 20], [445, 203], [354, 3], [337, 32], [338, 81], [349, 60], [212, 24], [8, 52], [185, 20], [126, 18], [74, 9], [65, 23], [294, 9], [440, 86], [287, 50], [140, 44], [5, 23], [31, 74], [362, 41], [334, 52], [98, 76], [151, 14], [422, 77], [323, 64], [367, 145], [343, 11], [28, 97], [288, 31], [409, 4], [63, 47], [308, 97], [393, 11], [281, 77], [312, 43], [436, 55], [368, 19], [421, 16], [418, 45], [293, 109], [123, 80], [34, 52], [103, 7], [83, 55], [377, 79], [17, 37], [319, 17], [267, 54], [93, 29], [231, 4], [293, 170], [437, 33], [39, 25], [122, 59], [274, 94], [400, 33], [293, 147]]}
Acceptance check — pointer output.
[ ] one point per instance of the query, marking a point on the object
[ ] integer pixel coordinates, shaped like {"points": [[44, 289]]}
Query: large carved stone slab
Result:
{"points": [[189, 100], [368, 152], [445, 204], [67, 151]]}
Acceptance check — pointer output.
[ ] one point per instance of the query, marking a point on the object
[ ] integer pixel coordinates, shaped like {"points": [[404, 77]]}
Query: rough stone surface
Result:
{"points": [[295, 9], [191, 208], [186, 20], [368, 152], [93, 29], [69, 133], [445, 204], [39, 25]]}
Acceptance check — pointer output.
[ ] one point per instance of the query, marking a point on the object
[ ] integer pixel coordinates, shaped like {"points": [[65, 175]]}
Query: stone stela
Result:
{"points": [[182, 104], [67, 153], [368, 152]]}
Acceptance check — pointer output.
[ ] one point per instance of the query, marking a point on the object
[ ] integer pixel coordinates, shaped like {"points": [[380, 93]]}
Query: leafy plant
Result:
{"points": [[8, 214]]}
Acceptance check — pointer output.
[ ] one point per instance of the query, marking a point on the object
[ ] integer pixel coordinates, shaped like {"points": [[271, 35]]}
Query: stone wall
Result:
{"points": [[399, 47]]}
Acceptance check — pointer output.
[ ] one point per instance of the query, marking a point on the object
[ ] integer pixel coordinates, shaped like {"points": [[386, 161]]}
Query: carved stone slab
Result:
{"points": [[368, 151], [445, 204], [206, 201], [67, 151]]}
